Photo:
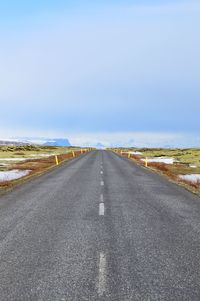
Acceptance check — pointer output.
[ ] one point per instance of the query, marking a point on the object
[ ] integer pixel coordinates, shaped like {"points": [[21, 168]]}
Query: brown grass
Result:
{"points": [[5, 184], [136, 158], [19, 154]]}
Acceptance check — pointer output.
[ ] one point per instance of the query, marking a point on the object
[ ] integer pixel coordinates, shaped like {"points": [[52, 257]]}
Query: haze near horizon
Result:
{"points": [[113, 72]]}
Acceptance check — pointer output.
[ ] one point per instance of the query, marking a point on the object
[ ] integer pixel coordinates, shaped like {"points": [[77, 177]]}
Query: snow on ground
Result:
{"points": [[15, 159], [165, 160], [42, 155], [4, 164], [193, 166], [135, 153], [24, 159], [132, 153], [13, 174], [195, 178]]}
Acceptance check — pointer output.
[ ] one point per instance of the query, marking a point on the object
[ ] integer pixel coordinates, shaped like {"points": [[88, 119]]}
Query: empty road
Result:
{"points": [[99, 228]]}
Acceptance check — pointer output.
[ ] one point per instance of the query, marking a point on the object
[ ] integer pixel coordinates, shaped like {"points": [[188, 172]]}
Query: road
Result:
{"points": [[99, 228]]}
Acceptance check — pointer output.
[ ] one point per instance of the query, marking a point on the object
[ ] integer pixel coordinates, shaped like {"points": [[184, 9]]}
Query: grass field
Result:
{"points": [[184, 156], [30, 150], [186, 162]]}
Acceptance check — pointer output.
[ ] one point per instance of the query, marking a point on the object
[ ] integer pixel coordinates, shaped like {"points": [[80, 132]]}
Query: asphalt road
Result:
{"points": [[99, 228]]}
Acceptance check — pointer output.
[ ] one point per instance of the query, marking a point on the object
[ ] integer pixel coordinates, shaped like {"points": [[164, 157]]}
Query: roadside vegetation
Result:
{"points": [[180, 165], [18, 163]]}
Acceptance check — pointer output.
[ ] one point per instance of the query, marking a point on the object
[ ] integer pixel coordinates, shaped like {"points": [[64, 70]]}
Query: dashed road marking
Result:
{"points": [[102, 274], [101, 209], [102, 183], [101, 172]]}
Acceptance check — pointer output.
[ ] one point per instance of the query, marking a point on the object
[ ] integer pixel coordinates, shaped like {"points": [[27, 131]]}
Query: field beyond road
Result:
{"points": [[99, 228]]}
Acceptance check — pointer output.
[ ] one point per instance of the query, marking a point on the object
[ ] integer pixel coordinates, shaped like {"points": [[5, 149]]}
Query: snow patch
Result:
{"points": [[165, 160], [24, 159], [194, 178], [135, 153], [13, 174], [132, 153], [15, 159], [42, 155]]}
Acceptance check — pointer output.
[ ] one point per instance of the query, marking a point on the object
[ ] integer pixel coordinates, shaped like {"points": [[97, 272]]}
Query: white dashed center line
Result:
{"points": [[102, 183], [101, 172], [101, 209], [102, 274]]}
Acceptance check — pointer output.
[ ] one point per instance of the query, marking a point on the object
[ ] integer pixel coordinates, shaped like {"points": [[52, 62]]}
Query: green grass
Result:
{"points": [[29, 150]]}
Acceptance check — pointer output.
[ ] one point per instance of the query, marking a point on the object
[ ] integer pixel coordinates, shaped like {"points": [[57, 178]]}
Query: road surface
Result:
{"points": [[99, 228]]}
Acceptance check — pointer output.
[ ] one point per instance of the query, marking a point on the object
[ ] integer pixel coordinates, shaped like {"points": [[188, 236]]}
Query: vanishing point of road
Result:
{"points": [[99, 228]]}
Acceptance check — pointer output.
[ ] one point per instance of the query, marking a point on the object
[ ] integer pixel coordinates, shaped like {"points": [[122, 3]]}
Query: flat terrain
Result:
{"points": [[185, 156], [99, 228]]}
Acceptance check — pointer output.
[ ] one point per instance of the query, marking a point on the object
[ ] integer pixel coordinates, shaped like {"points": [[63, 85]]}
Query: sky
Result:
{"points": [[114, 72]]}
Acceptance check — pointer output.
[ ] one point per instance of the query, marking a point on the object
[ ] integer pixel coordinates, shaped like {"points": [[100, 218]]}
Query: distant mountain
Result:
{"points": [[36, 141], [12, 142], [99, 145], [57, 142]]}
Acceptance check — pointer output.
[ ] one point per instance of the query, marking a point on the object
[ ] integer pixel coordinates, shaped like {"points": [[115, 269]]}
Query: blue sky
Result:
{"points": [[106, 69]]}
